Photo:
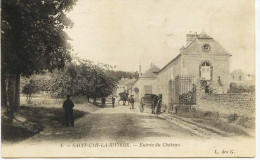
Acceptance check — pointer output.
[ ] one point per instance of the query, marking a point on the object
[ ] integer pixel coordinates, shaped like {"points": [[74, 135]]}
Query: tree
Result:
{"points": [[32, 40], [103, 83], [83, 78], [64, 82], [136, 90], [120, 74], [30, 89]]}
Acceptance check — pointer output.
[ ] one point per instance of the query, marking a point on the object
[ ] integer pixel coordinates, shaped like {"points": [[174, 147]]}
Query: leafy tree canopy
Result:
{"points": [[124, 74], [83, 78], [33, 39]]}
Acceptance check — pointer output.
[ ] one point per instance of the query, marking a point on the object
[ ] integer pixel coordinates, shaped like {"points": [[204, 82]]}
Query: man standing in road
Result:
{"points": [[132, 101], [68, 106], [113, 101]]}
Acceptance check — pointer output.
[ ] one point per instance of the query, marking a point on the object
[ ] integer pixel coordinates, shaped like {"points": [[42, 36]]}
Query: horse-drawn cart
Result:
{"points": [[123, 97], [152, 101]]}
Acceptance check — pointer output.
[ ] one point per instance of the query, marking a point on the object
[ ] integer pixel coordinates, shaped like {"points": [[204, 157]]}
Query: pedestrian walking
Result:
{"points": [[103, 102], [207, 89], [141, 105], [68, 106], [154, 104], [132, 101], [117, 99], [113, 101]]}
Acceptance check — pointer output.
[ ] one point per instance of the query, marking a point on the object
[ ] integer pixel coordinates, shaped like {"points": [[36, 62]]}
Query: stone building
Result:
{"points": [[204, 59], [241, 78], [237, 75], [146, 83]]}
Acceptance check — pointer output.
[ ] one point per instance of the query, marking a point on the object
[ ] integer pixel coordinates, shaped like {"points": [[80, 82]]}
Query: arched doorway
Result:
{"points": [[206, 76]]}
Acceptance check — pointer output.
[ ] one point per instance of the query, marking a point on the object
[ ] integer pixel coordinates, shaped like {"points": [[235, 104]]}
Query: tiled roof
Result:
{"points": [[237, 71], [204, 36], [150, 72], [195, 47], [126, 81], [177, 57]]}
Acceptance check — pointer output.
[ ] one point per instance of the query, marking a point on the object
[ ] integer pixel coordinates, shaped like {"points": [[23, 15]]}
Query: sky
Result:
{"points": [[127, 33]]}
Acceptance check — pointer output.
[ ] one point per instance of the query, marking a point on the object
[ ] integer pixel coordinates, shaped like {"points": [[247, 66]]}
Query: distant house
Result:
{"points": [[124, 85], [241, 78], [146, 83], [237, 75]]}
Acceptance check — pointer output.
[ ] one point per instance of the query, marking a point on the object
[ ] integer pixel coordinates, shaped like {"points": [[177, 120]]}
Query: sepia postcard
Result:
{"points": [[128, 78]]}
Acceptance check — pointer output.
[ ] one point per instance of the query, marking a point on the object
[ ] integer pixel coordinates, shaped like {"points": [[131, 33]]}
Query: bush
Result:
{"points": [[208, 113], [239, 88], [30, 88], [232, 117]]}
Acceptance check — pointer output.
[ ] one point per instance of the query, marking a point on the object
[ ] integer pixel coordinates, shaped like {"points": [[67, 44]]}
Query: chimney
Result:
{"points": [[140, 70], [203, 32], [190, 37]]}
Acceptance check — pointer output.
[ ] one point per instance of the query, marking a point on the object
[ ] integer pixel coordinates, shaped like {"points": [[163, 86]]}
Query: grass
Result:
{"points": [[36, 120], [228, 123]]}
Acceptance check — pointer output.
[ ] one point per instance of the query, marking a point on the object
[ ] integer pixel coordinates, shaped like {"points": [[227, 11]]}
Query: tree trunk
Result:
{"points": [[30, 98], [11, 92], [94, 100], [3, 90], [17, 91]]}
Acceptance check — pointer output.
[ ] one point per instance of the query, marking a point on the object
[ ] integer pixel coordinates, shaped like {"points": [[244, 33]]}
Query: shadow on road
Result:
{"points": [[101, 126]]}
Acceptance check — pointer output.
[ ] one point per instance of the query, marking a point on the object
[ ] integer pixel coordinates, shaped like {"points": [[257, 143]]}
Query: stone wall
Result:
{"points": [[242, 104]]}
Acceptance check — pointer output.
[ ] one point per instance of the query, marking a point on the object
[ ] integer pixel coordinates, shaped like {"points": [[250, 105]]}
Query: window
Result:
{"points": [[240, 78], [206, 48], [205, 71]]}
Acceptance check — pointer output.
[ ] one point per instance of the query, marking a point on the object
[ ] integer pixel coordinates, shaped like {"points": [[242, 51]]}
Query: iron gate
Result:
{"points": [[182, 91]]}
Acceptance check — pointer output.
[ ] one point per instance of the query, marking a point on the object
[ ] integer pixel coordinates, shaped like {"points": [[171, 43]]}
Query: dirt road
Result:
{"points": [[124, 127], [117, 124]]}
